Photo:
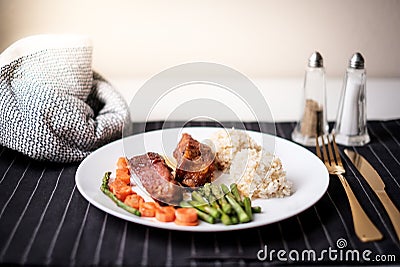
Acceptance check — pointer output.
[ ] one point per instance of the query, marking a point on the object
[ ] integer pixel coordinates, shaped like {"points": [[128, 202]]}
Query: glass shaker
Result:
{"points": [[351, 122], [313, 121]]}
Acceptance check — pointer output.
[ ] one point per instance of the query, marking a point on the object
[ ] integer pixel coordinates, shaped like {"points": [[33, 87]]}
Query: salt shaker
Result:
{"points": [[313, 121], [351, 122]]}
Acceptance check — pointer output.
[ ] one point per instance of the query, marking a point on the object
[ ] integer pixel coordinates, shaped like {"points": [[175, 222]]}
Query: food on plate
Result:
{"points": [[120, 189], [105, 189], [261, 174], [228, 143], [212, 203], [123, 175], [257, 172], [156, 177], [134, 201], [195, 162], [148, 209], [122, 163], [136, 205], [218, 203], [250, 170], [165, 214], [186, 216]]}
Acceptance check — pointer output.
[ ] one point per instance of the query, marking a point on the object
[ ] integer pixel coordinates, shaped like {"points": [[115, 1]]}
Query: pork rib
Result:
{"points": [[195, 162], [156, 177]]}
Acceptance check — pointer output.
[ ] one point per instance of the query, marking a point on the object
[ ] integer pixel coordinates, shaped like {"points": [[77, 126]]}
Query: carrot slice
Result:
{"points": [[147, 213], [133, 201], [149, 205], [165, 214], [120, 171], [122, 163], [178, 222], [186, 215], [147, 209], [123, 176], [115, 185], [123, 192], [120, 189]]}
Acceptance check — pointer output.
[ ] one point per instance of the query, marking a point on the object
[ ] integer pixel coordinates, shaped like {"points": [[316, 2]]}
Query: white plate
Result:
{"points": [[309, 176]]}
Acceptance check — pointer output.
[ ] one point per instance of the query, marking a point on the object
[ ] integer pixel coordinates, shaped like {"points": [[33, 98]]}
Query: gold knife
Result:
{"points": [[376, 183]]}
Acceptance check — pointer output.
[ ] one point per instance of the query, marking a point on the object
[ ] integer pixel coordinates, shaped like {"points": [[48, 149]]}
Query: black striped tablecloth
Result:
{"points": [[44, 220]]}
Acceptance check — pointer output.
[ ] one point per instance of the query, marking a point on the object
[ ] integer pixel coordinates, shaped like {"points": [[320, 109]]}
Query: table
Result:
{"points": [[44, 220]]}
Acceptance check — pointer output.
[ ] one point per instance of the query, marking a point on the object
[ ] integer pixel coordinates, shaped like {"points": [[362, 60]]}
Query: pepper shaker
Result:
{"points": [[351, 122], [313, 121]]}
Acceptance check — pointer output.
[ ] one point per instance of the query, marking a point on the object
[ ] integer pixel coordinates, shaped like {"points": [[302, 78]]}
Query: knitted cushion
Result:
{"points": [[53, 106]]}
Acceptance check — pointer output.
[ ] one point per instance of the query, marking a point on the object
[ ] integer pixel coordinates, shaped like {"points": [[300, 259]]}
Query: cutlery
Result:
{"points": [[363, 226], [377, 185]]}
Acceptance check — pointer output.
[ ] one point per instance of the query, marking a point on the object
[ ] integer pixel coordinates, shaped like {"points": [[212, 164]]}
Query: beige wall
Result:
{"points": [[269, 39]]}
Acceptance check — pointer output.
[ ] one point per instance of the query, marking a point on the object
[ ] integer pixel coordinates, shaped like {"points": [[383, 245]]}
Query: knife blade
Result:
{"points": [[378, 186], [368, 172]]}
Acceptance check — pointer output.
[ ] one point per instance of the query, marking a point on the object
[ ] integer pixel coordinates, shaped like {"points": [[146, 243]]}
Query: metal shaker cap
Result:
{"points": [[315, 60], [356, 61]]}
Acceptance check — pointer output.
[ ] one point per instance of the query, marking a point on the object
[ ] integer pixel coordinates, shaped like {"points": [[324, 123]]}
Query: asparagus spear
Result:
{"points": [[243, 217], [216, 191], [197, 197], [227, 192], [185, 204], [217, 213], [207, 189], [236, 194], [256, 209], [214, 202], [104, 188], [215, 210], [225, 219], [202, 215], [205, 217], [234, 219], [247, 207], [209, 195], [226, 207], [225, 189], [205, 208]]}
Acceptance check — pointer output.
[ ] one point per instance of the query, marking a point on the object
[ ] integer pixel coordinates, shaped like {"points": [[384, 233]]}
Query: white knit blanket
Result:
{"points": [[53, 106]]}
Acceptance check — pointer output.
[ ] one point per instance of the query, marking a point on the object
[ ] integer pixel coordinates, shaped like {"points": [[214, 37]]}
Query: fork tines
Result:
{"points": [[327, 156]]}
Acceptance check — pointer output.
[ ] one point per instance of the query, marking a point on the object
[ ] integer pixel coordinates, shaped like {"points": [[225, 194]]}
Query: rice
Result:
{"points": [[257, 172], [228, 143]]}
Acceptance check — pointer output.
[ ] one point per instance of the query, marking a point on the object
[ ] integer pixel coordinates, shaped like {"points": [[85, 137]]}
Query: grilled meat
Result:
{"points": [[195, 162], [156, 177]]}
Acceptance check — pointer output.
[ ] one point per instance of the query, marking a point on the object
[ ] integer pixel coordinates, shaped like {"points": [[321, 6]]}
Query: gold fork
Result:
{"points": [[363, 226]]}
